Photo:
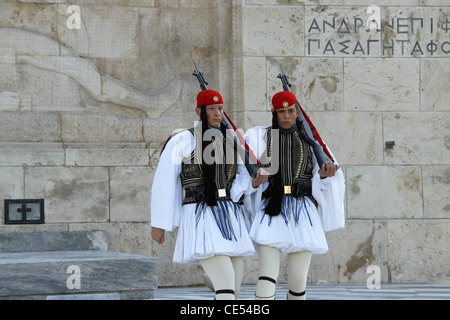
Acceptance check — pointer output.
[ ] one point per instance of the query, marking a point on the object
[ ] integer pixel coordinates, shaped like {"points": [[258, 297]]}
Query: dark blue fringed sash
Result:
{"points": [[291, 205], [221, 214]]}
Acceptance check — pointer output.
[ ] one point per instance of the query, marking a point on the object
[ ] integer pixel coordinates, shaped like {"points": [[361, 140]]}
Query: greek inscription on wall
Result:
{"points": [[367, 33]]}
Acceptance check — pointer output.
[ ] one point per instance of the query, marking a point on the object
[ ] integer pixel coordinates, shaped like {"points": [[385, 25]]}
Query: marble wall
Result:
{"points": [[364, 84], [84, 113]]}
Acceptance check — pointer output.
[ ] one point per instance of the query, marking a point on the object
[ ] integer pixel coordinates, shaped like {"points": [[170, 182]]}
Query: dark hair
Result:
{"points": [[208, 169], [273, 207]]}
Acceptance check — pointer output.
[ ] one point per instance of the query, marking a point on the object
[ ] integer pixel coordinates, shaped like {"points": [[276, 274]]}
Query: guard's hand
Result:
{"points": [[328, 169], [158, 235], [260, 177]]}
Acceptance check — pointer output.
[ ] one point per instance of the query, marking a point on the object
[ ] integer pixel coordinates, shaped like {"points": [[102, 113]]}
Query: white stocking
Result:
{"points": [[239, 270], [298, 266], [269, 268], [220, 271]]}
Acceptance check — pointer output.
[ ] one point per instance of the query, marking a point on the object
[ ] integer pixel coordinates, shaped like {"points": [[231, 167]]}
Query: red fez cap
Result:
{"points": [[283, 99], [208, 97]]}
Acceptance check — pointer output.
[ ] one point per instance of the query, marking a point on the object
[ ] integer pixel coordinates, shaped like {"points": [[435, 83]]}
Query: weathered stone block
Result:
{"points": [[381, 84], [10, 101], [106, 31], [71, 194], [254, 90], [39, 16], [436, 191], [381, 192], [382, 2], [292, 3], [31, 154], [434, 3], [11, 186], [418, 250], [284, 26], [342, 132], [8, 78], [351, 250], [47, 90], [110, 154], [130, 194], [156, 132], [100, 128], [20, 228], [434, 84], [165, 35], [30, 127], [420, 137], [130, 237]]}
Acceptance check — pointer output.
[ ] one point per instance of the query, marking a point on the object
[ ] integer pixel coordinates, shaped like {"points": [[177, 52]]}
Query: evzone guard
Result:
{"points": [[285, 216], [198, 189]]}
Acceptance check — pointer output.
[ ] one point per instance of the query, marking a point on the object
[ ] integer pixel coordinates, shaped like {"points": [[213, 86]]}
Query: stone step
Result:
{"points": [[39, 275], [53, 241], [94, 296]]}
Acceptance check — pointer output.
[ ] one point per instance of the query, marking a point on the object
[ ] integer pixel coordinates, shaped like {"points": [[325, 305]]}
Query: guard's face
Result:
{"points": [[214, 114], [287, 116]]}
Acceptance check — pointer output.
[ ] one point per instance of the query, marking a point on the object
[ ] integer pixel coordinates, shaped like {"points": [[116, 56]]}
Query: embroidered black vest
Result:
{"points": [[192, 175], [295, 163]]}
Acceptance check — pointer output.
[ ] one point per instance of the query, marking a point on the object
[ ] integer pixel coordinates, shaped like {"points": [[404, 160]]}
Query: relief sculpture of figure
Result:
{"points": [[45, 53]]}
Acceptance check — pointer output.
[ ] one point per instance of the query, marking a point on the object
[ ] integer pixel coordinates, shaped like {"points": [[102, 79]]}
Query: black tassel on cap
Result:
{"points": [[208, 169], [273, 207]]}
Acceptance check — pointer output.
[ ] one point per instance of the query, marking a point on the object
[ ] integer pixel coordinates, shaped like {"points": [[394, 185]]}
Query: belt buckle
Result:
{"points": [[222, 193], [287, 189]]}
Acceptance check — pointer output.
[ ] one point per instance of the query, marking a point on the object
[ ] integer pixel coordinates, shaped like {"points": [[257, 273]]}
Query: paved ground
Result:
{"points": [[323, 292]]}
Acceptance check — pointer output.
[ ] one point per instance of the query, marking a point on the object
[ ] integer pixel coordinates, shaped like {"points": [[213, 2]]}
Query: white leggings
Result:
{"points": [[226, 275], [269, 261]]}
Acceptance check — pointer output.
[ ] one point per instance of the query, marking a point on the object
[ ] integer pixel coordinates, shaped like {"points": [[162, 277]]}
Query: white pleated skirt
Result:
{"points": [[206, 231], [297, 228]]}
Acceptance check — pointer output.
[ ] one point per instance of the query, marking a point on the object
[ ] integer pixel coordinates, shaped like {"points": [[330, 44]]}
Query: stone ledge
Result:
{"points": [[73, 154], [53, 241], [36, 275], [36, 266]]}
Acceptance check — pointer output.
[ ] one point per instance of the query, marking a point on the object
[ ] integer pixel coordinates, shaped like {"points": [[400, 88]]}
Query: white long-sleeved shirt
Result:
{"points": [[167, 191]]}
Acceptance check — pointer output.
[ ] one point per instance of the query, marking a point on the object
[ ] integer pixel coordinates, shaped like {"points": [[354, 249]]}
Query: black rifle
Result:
{"points": [[319, 152], [251, 162], [200, 77]]}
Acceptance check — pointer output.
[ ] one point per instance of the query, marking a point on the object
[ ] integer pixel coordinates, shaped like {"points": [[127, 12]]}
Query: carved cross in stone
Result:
{"points": [[24, 211]]}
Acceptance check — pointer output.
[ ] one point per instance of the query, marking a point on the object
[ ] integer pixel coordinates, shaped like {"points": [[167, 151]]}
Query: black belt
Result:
{"points": [[197, 195], [297, 190]]}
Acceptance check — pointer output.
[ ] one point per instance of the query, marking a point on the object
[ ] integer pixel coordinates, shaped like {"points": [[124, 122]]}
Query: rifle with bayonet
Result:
{"points": [[320, 150], [251, 162]]}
